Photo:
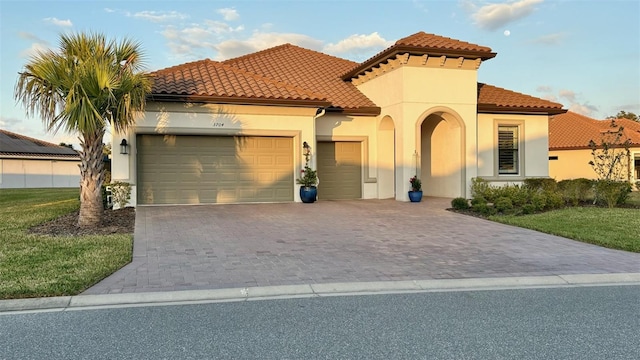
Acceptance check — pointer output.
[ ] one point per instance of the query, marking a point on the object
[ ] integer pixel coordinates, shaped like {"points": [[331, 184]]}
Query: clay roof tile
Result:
{"points": [[574, 131]]}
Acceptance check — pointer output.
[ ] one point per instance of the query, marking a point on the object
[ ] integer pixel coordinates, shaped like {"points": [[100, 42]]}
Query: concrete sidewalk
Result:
{"points": [[361, 241]]}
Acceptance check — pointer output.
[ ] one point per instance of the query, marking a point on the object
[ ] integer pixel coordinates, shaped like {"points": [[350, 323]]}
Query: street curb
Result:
{"points": [[80, 302]]}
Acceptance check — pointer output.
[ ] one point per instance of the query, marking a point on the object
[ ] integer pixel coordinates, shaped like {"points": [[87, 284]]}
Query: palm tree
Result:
{"points": [[86, 85]]}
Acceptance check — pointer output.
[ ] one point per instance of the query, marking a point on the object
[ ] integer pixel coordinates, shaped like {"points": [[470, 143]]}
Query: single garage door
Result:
{"points": [[339, 170], [180, 169]]}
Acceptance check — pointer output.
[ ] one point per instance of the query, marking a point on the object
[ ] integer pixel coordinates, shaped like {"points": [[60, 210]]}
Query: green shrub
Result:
{"points": [[460, 203], [528, 209], [611, 192], [544, 184], [554, 200], [484, 209], [120, 193], [539, 201], [503, 204], [576, 191], [478, 200], [482, 188]]}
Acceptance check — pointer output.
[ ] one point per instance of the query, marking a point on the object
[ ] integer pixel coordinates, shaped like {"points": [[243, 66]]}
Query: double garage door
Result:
{"points": [[181, 169]]}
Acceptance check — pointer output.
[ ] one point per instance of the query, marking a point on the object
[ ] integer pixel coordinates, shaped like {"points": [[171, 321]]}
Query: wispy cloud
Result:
{"points": [[58, 22], [229, 14], [494, 16], [159, 16], [570, 99], [260, 41], [551, 39], [584, 109], [544, 89], [37, 44], [358, 45], [197, 41]]}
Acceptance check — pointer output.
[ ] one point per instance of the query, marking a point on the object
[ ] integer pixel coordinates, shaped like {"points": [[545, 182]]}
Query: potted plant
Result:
{"points": [[415, 194], [308, 178]]}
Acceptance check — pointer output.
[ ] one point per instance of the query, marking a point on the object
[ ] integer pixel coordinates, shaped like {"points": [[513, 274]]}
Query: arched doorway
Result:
{"points": [[442, 154]]}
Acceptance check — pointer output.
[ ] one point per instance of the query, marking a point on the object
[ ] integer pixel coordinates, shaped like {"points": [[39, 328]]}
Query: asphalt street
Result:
{"points": [[546, 323]]}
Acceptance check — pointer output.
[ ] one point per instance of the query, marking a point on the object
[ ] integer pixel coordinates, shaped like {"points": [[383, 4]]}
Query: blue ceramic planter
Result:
{"points": [[308, 194], [415, 196]]}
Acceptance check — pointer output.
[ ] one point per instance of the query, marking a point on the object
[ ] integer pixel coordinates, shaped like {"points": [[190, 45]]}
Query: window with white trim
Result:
{"points": [[508, 158]]}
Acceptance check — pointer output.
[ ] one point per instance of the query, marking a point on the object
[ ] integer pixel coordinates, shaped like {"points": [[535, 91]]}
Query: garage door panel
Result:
{"points": [[208, 169], [339, 170]]}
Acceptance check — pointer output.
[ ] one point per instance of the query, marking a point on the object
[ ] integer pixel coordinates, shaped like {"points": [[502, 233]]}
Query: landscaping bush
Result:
{"points": [[484, 209], [503, 204], [576, 191], [611, 192], [121, 193], [554, 200], [460, 203], [482, 188], [528, 209], [545, 184], [539, 201]]}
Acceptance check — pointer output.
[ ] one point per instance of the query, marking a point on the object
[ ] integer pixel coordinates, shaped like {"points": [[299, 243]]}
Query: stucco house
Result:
{"points": [[26, 162], [233, 131], [569, 151]]}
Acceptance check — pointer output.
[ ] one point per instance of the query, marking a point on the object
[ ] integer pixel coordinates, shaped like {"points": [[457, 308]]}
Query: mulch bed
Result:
{"points": [[119, 221]]}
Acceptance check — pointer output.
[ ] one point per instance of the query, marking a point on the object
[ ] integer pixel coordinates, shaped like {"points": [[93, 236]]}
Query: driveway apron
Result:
{"points": [[245, 245]]}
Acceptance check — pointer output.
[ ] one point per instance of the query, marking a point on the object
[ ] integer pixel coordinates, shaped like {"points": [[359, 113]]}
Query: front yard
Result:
{"points": [[617, 228], [40, 265]]}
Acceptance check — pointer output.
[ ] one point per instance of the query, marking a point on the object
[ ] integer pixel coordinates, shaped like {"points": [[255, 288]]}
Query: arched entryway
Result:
{"points": [[441, 158]]}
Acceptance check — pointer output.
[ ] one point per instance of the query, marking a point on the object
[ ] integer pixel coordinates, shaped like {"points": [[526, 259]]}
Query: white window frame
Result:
{"points": [[519, 166]]}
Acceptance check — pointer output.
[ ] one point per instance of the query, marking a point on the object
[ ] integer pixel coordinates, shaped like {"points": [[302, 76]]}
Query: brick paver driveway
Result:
{"points": [[224, 246]]}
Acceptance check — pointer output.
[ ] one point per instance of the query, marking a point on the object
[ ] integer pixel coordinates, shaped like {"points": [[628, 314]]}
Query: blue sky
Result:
{"points": [[583, 54]]}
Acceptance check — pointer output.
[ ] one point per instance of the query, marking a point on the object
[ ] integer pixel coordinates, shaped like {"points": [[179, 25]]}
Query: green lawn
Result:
{"points": [[36, 265], [617, 228]]}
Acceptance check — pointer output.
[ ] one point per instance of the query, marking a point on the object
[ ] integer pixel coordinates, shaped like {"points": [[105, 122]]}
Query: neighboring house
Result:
{"points": [[233, 131], [569, 151], [31, 163]]}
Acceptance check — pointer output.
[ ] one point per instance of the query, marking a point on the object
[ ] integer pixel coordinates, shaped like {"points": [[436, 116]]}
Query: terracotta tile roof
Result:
{"points": [[289, 73], [495, 99], [432, 41], [310, 70], [13, 144], [214, 80], [574, 131], [422, 43]]}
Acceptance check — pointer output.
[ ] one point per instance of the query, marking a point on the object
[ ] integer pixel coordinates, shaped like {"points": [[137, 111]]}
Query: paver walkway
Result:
{"points": [[230, 246]]}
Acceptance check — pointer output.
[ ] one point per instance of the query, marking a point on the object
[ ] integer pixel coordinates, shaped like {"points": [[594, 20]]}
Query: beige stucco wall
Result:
{"points": [[533, 147], [407, 95], [212, 119], [38, 173], [573, 164]]}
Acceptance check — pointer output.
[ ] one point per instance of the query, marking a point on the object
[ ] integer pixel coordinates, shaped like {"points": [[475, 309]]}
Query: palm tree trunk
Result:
{"points": [[91, 178]]}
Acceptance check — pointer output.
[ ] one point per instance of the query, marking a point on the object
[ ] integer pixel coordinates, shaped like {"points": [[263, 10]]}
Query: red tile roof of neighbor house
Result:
{"points": [[289, 74], [12, 144], [575, 131]]}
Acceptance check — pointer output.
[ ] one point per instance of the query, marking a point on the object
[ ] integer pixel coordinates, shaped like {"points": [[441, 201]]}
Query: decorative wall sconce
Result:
{"points": [[124, 147]]}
